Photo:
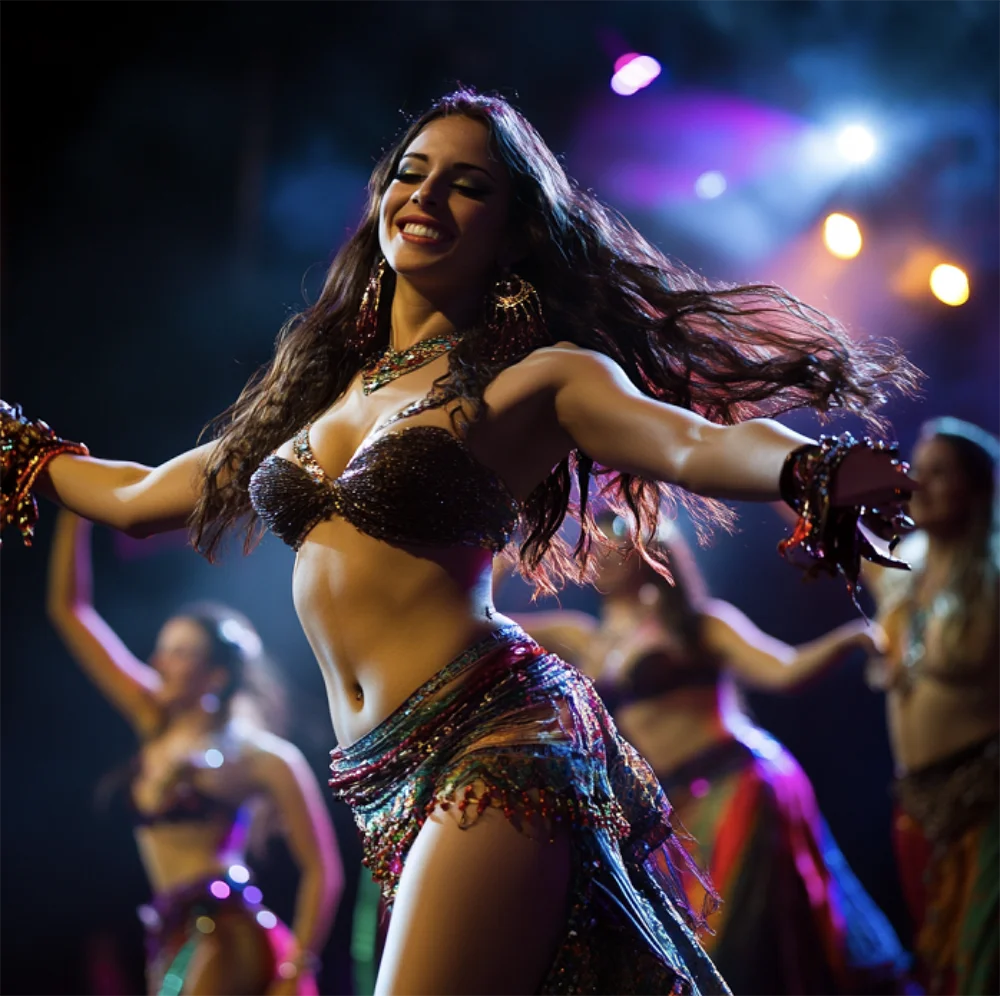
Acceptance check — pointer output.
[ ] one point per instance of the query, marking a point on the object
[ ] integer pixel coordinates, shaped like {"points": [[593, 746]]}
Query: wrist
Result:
{"points": [[797, 473], [29, 446]]}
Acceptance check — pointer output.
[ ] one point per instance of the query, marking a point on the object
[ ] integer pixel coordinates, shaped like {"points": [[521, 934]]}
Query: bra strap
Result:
{"points": [[304, 454]]}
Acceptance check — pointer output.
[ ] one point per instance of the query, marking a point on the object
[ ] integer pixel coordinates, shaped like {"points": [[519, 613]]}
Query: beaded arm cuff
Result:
{"points": [[26, 448], [834, 537]]}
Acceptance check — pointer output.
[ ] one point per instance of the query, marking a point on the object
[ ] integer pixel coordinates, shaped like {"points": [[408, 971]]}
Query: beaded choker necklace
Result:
{"points": [[392, 365]]}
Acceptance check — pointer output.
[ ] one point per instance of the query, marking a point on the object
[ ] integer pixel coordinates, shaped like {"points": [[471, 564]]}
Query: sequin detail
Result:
{"points": [[26, 448], [417, 485], [392, 365], [509, 726]]}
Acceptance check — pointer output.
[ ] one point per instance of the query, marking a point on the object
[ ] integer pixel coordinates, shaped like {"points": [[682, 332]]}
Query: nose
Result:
{"points": [[420, 197], [427, 193]]}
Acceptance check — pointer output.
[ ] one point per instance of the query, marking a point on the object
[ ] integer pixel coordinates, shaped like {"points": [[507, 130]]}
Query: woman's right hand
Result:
{"points": [[871, 638], [29, 446]]}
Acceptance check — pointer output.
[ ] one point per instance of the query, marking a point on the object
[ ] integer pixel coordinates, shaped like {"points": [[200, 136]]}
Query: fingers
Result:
{"points": [[880, 639], [888, 523]]}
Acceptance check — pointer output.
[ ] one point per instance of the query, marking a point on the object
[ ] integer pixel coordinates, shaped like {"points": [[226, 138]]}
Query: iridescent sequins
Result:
{"points": [[417, 485], [508, 726]]}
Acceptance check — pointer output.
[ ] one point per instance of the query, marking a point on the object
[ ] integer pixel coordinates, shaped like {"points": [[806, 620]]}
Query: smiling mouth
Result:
{"points": [[422, 234]]}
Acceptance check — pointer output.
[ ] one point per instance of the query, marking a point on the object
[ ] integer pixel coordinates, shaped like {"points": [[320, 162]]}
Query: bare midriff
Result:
{"points": [[672, 728], [948, 706], [382, 619], [934, 720], [178, 854]]}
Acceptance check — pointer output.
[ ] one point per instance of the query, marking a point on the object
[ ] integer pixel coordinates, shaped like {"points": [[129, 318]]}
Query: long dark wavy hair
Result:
{"points": [[726, 352], [252, 692]]}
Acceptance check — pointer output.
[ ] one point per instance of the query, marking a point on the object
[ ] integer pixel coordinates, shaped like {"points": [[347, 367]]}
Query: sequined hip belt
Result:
{"points": [[525, 733], [194, 906], [948, 797]]}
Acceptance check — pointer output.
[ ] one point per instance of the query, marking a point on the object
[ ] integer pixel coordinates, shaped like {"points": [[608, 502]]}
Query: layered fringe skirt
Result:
{"points": [[509, 726]]}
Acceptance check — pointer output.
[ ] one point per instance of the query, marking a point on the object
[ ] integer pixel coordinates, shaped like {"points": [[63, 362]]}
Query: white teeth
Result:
{"points": [[422, 231]]}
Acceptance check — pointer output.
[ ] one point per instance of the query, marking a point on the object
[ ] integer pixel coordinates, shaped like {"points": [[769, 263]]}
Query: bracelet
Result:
{"points": [[833, 537], [26, 448]]}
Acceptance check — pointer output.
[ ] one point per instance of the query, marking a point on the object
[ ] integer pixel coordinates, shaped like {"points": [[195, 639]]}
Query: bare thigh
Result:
{"points": [[478, 911], [236, 959]]}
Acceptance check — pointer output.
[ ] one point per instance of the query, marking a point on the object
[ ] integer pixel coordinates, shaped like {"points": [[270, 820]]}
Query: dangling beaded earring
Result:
{"points": [[515, 316], [367, 321]]}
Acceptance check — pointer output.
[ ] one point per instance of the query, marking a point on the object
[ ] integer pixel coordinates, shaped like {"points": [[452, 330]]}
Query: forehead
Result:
{"points": [[455, 138], [183, 632], [935, 452]]}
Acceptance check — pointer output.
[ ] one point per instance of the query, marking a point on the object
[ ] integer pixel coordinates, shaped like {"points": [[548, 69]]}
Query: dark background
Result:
{"points": [[176, 176]]}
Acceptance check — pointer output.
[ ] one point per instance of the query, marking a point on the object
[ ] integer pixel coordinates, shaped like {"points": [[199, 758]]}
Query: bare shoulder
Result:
{"points": [[719, 620], [268, 754], [550, 367], [717, 610]]}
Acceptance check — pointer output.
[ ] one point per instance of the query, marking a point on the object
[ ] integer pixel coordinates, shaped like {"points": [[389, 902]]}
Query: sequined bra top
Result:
{"points": [[185, 802], [419, 485]]}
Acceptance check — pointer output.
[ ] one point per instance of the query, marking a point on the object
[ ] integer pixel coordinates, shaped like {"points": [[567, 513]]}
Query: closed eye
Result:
{"points": [[461, 185], [472, 191], [408, 176]]}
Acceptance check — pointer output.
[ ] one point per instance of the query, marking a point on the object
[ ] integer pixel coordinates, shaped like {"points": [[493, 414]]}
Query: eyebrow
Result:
{"points": [[423, 158]]}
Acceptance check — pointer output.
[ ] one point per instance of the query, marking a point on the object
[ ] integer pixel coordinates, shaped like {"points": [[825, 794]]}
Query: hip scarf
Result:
{"points": [[525, 732], [955, 803], [176, 921]]}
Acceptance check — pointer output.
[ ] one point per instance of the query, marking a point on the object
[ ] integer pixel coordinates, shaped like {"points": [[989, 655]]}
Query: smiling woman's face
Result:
{"points": [[443, 219], [182, 658]]}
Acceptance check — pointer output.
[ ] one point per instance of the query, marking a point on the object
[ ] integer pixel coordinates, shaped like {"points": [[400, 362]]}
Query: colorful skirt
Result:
{"points": [[509, 726], [794, 920], [177, 921], [951, 815]]}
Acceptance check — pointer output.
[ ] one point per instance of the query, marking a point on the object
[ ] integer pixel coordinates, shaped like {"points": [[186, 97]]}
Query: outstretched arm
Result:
{"points": [[764, 662], [618, 426], [283, 773], [565, 632], [126, 682], [136, 499]]}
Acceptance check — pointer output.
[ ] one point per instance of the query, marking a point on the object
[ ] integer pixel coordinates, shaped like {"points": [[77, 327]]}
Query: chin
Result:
{"points": [[424, 268]]}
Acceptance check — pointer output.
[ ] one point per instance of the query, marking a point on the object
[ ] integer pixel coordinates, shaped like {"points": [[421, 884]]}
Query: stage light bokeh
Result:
{"points": [[842, 236], [950, 284]]}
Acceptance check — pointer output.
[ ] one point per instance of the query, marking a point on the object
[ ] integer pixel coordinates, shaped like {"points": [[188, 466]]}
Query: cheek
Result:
{"points": [[392, 200], [486, 224], [184, 672], [955, 496]]}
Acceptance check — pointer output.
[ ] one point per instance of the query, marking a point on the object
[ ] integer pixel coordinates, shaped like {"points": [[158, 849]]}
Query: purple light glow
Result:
{"points": [[219, 889], [633, 72], [252, 894], [623, 60], [633, 152]]}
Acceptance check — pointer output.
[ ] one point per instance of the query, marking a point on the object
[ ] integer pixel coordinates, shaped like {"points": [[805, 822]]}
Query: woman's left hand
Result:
{"points": [[872, 477]]}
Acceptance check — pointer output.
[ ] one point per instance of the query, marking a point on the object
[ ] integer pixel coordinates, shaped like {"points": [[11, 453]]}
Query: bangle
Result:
{"points": [[27, 447], [832, 537]]}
